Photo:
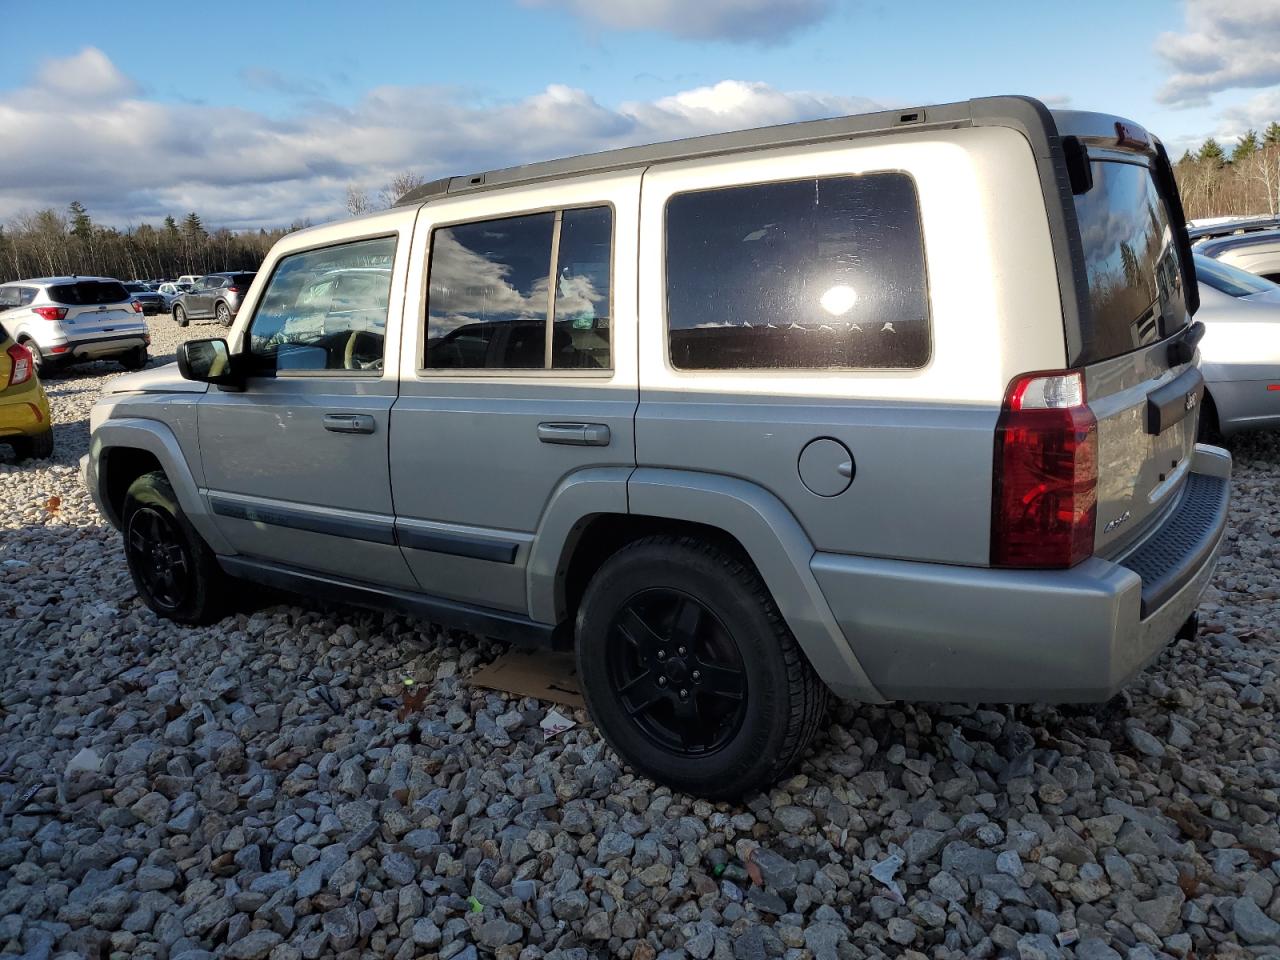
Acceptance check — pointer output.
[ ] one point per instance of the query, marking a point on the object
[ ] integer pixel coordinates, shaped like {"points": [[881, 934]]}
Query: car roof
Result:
{"points": [[1220, 245], [52, 281]]}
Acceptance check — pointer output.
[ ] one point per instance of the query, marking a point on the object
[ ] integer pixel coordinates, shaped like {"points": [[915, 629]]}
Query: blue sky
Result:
{"points": [[268, 116]]}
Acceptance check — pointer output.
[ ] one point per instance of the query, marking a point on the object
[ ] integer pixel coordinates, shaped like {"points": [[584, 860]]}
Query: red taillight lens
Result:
{"points": [[1044, 491], [137, 306], [22, 365], [233, 289], [50, 313]]}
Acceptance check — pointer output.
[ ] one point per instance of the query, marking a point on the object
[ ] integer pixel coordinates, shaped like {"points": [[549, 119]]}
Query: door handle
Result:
{"points": [[348, 423], [576, 434]]}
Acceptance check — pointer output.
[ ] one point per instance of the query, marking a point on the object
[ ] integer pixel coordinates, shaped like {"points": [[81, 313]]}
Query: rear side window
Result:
{"points": [[821, 273], [88, 293], [490, 304], [1131, 258]]}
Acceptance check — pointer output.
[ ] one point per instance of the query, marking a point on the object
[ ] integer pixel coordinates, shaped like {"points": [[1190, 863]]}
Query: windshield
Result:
{"points": [[1131, 258], [1230, 280]]}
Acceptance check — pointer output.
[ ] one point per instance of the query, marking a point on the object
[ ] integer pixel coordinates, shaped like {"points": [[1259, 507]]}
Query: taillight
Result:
{"points": [[22, 365], [1044, 490], [50, 313], [137, 306], [233, 289]]}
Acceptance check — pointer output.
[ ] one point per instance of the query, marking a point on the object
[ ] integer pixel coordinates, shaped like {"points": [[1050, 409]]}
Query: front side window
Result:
{"points": [[489, 293], [325, 309], [820, 273]]}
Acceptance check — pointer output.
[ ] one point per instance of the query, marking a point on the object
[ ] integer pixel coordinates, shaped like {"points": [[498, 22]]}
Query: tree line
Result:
{"points": [[1246, 181], [49, 243]]}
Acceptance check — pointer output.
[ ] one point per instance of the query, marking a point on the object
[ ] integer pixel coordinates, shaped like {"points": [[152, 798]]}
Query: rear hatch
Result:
{"points": [[96, 307], [1141, 380]]}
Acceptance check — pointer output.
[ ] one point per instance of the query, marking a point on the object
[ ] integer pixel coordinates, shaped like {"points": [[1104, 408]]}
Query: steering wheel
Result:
{"points": [[351, 355]]}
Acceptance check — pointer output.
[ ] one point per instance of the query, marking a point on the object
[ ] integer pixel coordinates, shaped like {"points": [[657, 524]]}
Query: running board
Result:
{"points": [[450, 613]]}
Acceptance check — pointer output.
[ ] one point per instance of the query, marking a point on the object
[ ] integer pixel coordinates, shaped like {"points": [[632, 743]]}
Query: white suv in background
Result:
{"points": [[66, 319]]}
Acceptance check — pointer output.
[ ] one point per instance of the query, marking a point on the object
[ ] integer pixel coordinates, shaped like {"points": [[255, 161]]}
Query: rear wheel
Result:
{"points": [[44, 367], [224, 314], [135, 359], [39, 447], [690, 671], [173, 569], [180, 316]]}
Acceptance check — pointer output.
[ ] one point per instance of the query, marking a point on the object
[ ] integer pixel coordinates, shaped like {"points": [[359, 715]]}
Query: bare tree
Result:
{"points": [[397, 187], [357, 201]]}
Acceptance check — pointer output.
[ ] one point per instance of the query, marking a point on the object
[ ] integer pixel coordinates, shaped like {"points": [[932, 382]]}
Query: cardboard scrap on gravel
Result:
{"points": [[533, 673]]}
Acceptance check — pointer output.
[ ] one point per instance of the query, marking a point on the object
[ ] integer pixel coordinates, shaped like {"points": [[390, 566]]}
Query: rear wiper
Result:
{"points": [[1182, 348]]}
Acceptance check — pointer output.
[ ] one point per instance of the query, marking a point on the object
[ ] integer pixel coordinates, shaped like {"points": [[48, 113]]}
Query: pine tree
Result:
{"points": [[192, 227], [1272, 137], [1246, 147], [81, 224], [170, 226], [1187, 157], [1212, 153]]}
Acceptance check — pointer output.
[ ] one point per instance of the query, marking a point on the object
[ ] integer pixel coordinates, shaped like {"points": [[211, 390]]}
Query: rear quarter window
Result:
{"points": [[820, 273], [88, 293]]}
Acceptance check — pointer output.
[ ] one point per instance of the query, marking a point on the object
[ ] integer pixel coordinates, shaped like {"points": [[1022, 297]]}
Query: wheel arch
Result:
{"points": [[593, 513], [123, 450]]}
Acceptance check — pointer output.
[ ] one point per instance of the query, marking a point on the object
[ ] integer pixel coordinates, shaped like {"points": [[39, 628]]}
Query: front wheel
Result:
{"points": [[173, 569], [38, 447], [224, 314], [690, 671], [180, 316]]}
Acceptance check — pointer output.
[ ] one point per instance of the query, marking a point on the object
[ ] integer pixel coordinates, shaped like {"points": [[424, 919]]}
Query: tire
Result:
{"points": [[39, 447], [44, 366], [180, 316], [223, 313], [706, 609], [135, 359], [173, 569], [1207, 430]]}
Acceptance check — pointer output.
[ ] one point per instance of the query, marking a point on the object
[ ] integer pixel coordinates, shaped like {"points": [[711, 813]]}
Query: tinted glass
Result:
{"points": [[487, 298], [26, 295], [822, 273], [1232, 281], [9, 297], [242, 280], [580, 338], [311, 318], [88, 292], [1131, 258]]}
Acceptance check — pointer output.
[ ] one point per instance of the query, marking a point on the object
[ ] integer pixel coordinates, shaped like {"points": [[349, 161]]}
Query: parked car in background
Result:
{"points": [[152, 302], [721, 415], [1208, 228], [25, 422], [65, 319], [169, 291], [189, 279], [214, 296], [1240, 352], [1258, 253]]}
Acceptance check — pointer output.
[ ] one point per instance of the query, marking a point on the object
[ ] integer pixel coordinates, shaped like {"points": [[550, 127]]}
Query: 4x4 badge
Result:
{"points": [[1116, 522], [1191, 400]]}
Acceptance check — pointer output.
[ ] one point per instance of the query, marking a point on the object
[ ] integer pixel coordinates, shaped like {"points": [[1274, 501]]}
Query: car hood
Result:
{"points": [[164, 379]]}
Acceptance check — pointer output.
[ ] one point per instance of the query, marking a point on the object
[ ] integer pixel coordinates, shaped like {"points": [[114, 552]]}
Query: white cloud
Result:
{"points": [[129, 159], [1226, 44], [756, 21], [87, 75]]}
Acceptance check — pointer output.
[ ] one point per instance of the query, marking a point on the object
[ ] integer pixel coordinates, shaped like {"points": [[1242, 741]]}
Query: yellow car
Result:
{"points": [[25, 423]]}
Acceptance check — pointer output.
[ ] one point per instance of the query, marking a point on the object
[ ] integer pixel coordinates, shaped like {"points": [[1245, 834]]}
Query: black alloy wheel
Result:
{"points": [[158, 556], [677, 672]]}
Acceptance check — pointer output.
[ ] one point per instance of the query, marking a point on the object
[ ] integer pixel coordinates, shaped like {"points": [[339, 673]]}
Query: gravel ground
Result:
{"points": [[247, 789]]}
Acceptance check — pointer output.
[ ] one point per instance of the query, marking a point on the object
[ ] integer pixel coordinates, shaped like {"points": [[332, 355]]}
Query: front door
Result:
{"points": [[296, 464], [519, 372]]}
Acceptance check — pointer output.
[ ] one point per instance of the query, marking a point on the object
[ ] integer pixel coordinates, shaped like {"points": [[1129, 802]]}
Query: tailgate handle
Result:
{"points": [[1171, 403]]}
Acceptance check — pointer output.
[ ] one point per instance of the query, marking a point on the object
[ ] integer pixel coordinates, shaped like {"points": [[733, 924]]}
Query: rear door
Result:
{"points": [[522, 373], [95, 308], [1145, 396]]}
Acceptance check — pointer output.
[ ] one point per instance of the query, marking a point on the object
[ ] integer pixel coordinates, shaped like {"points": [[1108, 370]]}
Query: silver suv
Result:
{"points": [[896, 406], [66, 319]]}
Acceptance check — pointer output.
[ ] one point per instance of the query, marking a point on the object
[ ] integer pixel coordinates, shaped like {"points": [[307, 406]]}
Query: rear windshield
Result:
{"points": [[1232, 281], [1131, 257], [89, 293], [242, 279]]}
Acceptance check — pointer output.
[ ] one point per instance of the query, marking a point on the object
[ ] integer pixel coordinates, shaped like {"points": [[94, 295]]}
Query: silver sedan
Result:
{"points": [[1240, 352]]}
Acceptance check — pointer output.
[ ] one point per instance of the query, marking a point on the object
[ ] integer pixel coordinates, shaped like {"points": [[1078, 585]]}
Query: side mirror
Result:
{"points": [[208, 361]]}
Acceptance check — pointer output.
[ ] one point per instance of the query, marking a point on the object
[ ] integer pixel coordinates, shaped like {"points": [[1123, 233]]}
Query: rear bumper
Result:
{"points": [[24, 411], [935, 632], [93, 347]]}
